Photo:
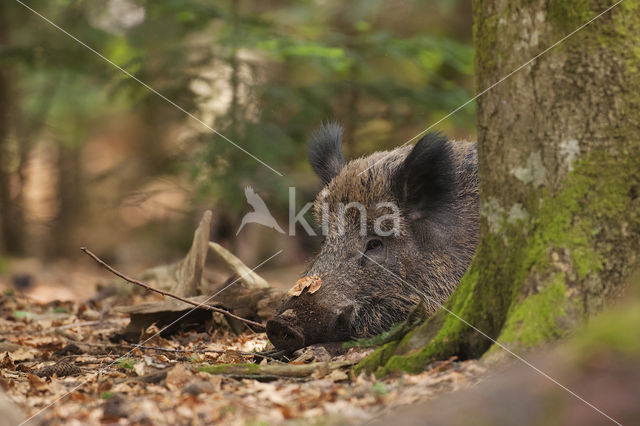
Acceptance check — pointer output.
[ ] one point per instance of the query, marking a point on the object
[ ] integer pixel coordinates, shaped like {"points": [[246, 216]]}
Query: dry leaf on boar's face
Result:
{"points": [[313, 282], [315, 285]]}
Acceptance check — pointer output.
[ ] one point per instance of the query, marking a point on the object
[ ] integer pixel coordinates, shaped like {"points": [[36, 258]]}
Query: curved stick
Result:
{"points": [[166, 293]]}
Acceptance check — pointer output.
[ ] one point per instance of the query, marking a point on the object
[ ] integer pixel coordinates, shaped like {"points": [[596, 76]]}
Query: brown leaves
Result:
{"points": [[37, 384], [7, 363], [159, 383], [178, 377], [313, 282]]}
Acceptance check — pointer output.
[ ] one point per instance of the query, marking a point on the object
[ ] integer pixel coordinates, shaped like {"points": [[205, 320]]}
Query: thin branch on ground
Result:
{"points": [[169, 350], [166, 293], [275, 370]]}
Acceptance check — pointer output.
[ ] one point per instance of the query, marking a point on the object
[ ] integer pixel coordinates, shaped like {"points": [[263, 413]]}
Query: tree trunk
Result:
{"points": [[11, 229], [70, 195], [559, 149]]}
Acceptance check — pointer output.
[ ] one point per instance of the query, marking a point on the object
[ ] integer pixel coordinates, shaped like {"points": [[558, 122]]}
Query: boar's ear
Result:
{"points": [[325, 151], [426, 180]]}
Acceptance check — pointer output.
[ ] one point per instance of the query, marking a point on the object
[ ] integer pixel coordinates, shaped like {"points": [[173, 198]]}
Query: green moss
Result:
{"points": [[570, 14], [615, 330], [435, 335], [397, 332], [390, 341], [626, 25], [565, 227], [126, 364], [377, 358], [378, 340], [485, 30], [534, 320]]}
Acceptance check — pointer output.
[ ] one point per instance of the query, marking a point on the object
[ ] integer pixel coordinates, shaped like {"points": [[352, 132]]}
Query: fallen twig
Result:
{"points": [[83, 324], [169, 350], [166, 293], [275, 369]]}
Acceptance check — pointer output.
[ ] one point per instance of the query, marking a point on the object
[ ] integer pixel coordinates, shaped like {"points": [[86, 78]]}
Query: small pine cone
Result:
{"points": [[61, 369]]}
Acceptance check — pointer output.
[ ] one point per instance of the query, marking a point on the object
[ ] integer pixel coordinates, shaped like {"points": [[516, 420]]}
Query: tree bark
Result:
{"points": [[559, 167]]}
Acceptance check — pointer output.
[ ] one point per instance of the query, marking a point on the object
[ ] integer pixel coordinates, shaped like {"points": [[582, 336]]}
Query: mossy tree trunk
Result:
{"points": [[559, 149]]}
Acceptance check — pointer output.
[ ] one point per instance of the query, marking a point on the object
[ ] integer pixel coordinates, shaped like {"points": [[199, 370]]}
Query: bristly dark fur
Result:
{"points": [[434, 186], [426, 180], [325, 151]]}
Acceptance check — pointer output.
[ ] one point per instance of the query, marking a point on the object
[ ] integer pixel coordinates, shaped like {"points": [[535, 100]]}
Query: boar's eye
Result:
{"points": [[373, 245], [374, 253]]}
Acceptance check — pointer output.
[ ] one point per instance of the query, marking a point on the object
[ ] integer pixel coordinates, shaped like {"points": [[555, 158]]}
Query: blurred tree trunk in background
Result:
{"points": [[234, 80], [10, 215], [70, 190], [559, 149]]}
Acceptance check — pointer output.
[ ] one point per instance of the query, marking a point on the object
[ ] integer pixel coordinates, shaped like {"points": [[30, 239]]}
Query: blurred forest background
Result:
{"points": [[90, 157]]}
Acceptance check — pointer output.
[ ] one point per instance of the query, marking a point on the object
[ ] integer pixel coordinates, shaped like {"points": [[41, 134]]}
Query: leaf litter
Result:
{"points": [[64, 354]]}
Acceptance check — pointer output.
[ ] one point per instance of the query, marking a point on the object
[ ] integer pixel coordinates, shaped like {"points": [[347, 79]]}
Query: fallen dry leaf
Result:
{"points": [[37, 383], [24, 354], [337, 376], [139, 368], [178, 377], [7, 362]]}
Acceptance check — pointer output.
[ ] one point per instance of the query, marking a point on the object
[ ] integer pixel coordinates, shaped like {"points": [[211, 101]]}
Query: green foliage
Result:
{"points": [[380, 389], [18, 314], [264, 74], [319, 62], [126, 364]]}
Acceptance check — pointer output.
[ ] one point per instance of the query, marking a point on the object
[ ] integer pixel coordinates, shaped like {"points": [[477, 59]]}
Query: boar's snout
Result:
{"points": [[283, 335], [303, 322]]}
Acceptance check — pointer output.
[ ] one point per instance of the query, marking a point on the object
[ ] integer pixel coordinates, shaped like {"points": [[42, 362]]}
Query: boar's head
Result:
{"points": [[399, 227]]}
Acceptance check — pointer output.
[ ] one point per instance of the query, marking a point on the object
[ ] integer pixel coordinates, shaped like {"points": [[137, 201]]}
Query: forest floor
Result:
{"points": [[61, 362], [59, 365]]}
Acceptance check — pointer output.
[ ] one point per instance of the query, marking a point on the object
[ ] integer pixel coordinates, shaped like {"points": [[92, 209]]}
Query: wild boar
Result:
{"points": [[399, 227]]}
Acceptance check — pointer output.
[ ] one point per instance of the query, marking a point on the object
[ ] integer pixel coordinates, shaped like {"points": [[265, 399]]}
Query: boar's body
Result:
{"points": [[375, 262]]}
